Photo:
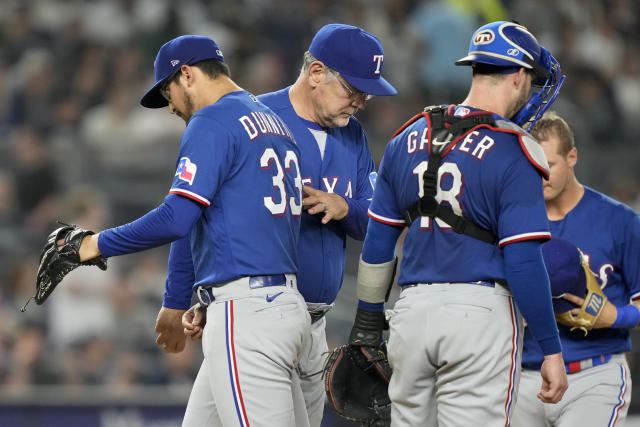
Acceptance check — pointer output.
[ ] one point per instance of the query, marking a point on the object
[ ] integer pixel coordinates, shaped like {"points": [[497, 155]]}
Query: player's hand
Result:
{"points": [[89, 248], [335, 207], [606, 318], [169, 327], [554, 379], [193, 321]]}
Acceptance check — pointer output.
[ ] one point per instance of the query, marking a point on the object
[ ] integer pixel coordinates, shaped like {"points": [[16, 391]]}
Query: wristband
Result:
{"points": [[628, 317], [374, 307]]}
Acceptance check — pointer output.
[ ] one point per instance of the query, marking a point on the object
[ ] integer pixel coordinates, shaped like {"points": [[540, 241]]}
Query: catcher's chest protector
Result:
{"points": [[444, 131]]}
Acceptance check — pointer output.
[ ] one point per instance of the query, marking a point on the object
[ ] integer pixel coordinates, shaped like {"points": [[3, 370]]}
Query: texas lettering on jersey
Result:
{"points": [[334, 184]]}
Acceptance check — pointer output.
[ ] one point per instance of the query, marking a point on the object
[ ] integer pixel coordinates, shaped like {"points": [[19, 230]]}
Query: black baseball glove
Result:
{"points": [[356, 380], [57, 260]]}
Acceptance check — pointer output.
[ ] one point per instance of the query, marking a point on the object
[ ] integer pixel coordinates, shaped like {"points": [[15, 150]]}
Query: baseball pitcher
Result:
{"points": [[236, 196]]}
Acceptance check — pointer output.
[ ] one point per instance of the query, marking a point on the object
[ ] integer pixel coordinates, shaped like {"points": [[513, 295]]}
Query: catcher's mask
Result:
{"points": [[567, 273], [508, 46]]}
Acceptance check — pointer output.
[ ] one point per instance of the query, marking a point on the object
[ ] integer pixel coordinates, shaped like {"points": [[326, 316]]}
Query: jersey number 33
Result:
{"points": [[270, 161]]}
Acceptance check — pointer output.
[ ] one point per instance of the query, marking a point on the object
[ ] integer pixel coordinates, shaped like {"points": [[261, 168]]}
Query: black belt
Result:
{"points": [[205, 294], [318, 314]]}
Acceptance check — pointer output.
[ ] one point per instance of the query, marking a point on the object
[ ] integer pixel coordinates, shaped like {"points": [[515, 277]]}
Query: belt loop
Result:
{"points": [[204, 296]]}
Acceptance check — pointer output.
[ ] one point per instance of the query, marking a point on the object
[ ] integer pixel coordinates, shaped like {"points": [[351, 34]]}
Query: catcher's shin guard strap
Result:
{"points": [[375, 280]]}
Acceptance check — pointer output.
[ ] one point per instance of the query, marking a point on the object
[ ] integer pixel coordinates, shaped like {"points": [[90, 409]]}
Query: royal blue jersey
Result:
{"points": [[608, 233], [240, 162], [491, 177], [346, 169]]}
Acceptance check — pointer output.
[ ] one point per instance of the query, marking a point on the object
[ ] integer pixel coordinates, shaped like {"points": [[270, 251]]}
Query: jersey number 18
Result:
{"points": [[450, 195]]}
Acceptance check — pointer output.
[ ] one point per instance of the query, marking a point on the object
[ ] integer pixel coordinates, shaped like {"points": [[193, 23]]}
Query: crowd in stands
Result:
{"points": [[76, 146]]}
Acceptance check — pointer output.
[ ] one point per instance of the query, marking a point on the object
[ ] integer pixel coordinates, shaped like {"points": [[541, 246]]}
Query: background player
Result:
{"points": [[608, 233], [227, 165], [341, 70], [455, 332]]}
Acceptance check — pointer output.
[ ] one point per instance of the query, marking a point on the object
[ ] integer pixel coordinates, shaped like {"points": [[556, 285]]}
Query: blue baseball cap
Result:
{"points": [[566, 274], [173, 55], [355, 54]]}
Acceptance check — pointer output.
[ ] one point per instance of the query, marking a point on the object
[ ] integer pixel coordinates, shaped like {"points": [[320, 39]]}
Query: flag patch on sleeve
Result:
{"points": [[186, 170]]}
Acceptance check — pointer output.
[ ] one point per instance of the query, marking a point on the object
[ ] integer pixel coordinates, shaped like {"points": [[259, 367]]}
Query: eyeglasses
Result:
{"points": [[352, 92], [164, 87]]}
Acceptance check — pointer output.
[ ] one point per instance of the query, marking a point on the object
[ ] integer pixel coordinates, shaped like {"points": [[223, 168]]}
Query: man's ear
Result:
{"points": [[188, 75], [572, 157], [520, 77], [316, 73]]}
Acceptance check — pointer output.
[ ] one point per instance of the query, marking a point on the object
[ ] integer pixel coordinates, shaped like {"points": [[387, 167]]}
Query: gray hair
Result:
{"points": [[309, 59]]}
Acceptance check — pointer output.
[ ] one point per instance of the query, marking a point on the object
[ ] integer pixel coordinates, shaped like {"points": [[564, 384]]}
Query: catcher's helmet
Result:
{"points": [[566, 273], [509, 46]]}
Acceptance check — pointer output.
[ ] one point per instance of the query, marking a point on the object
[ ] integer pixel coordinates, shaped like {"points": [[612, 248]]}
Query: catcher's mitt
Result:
{"points": [[356, 379], [594, 302], [57, 260]]}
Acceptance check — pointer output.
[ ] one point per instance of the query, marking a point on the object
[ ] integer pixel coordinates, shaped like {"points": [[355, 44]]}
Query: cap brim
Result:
{"points": [[467, 60], [153, 98], [377, 87], [497, 60]]}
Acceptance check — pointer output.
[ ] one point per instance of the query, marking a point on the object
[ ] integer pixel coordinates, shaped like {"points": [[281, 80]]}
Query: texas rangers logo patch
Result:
{"points": [[186, 170], [484, 37]]}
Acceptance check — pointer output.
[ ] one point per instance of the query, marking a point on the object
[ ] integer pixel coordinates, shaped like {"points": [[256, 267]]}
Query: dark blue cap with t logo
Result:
{"points": [[355, 54], [173, 55], [564, 265]]}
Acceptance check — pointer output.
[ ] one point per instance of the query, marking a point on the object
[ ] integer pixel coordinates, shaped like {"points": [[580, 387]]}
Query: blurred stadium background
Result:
{"points": [[75, 145]]}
